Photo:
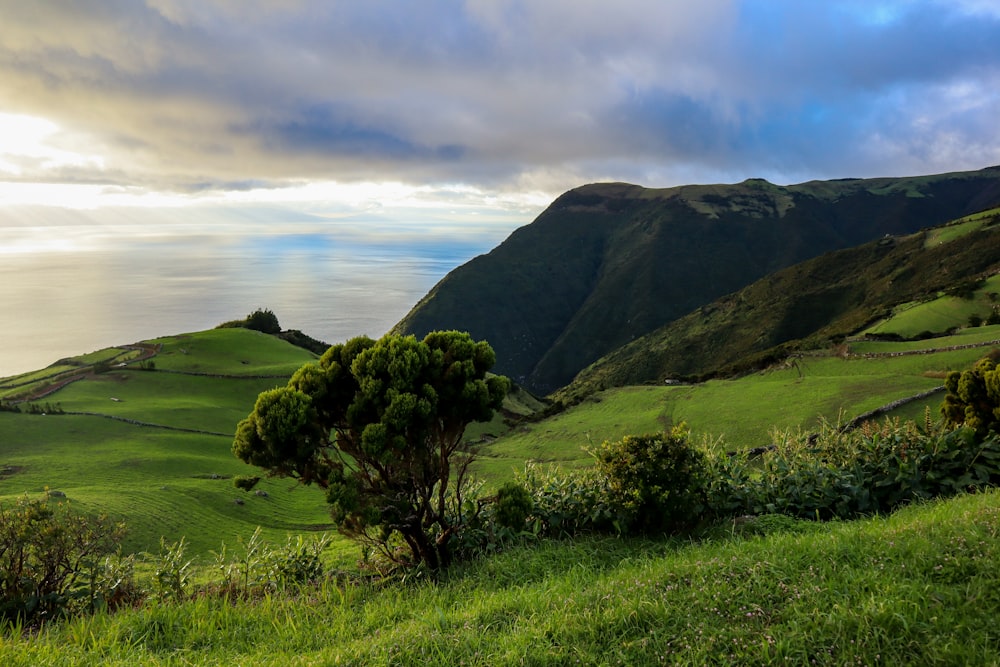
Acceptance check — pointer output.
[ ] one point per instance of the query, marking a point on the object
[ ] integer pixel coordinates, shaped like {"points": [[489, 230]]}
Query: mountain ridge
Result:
{"points": [[607, 263], [811, 304]]}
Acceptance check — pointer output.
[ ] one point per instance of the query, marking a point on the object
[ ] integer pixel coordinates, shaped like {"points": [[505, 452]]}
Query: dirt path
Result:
{"points": [[146, 351]]}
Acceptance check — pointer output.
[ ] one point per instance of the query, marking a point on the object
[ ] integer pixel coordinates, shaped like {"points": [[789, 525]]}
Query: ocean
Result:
{"points": [[75, 288]]}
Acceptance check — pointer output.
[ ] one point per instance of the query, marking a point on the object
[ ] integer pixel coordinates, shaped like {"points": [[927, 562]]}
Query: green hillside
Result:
{"points": [[606, 264], [170, 475], [835, 386], [154, 446], [817, 303], [144, 431]]}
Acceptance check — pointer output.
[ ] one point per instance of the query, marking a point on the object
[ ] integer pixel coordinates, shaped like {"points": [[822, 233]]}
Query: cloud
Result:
{"points": [[196, 95]]}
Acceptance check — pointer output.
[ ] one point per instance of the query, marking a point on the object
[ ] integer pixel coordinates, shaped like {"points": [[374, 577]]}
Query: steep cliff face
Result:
{"points": [[608, 263]]}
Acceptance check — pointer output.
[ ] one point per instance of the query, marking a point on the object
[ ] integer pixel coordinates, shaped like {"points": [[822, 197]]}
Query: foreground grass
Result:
{"points": [[919, 587]]}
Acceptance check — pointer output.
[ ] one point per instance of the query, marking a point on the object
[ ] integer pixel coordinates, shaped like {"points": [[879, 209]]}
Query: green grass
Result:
{"points": [[967, 336], [230, 352], [735, 414], [940, 314], [164, 483], [961, 227], [182, 401], [161, 481], [562, 439], [919, 587], [19, 385]]}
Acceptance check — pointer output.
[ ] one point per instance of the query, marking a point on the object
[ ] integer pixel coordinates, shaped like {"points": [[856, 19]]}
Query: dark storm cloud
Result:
{"points": [[184, 94]]}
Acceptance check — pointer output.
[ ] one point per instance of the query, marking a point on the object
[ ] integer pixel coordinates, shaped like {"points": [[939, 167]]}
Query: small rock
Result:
{"points": [[238, 501]]}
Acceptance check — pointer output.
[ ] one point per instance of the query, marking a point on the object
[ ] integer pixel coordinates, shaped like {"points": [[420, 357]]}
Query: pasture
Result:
{"points": [[739, 413], [171, 474]]}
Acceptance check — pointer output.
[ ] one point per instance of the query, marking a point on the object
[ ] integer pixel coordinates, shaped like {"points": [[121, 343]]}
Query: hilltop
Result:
{"points": [[606, 264]]}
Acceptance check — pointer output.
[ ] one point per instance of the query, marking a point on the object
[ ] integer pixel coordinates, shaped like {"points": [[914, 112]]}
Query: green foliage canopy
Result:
{"points": [[973, 397], [378, 425], [657, 481], [263, 320]]}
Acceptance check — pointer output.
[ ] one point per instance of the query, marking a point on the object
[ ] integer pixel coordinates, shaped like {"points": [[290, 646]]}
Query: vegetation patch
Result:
{"points": [[917, 587]]}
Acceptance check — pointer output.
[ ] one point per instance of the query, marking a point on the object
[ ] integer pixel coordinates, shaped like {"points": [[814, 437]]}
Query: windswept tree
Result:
{"points": [[379, 426]]}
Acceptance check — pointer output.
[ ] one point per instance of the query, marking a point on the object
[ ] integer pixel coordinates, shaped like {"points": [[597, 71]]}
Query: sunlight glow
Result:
{"points": [[41, 165], [29, 147]]}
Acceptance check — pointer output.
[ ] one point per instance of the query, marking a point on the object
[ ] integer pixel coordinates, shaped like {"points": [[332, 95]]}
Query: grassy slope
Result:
{"points": [[164, 482], [919, 587], [808, 305], [743, 412], [941, 313], [173, 484]]}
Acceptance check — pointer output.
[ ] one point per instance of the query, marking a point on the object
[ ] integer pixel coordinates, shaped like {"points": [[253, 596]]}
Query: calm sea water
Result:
{"points": [[332, 281]]}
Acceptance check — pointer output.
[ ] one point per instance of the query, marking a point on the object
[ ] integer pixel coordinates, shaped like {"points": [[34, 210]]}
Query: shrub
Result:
{"points": [[260, 568], [973, 397], [566, 503], [171, 572], [245, 482], [264, 321], [513, 506], [657, 483], [836, 474], [298, 561], [50, 561]]}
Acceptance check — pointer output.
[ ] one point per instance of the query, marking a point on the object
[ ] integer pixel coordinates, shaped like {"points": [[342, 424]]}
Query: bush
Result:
{"points": [[262, 319], [513, 506], [245, 482], [566, 503], [640, 484], [259, 568], [657, 483], [843, 475], [50, 561], [973, 397]]}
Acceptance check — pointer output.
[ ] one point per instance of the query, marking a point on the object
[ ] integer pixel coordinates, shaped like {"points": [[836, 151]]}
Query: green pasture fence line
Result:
{"points": [[48, 391], [136, 422], [933, 350], [38, 380], [217, 376], [888, 407]]}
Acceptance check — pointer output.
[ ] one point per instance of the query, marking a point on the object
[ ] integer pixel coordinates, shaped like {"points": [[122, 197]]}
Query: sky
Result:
{"points": [[466, 108]]}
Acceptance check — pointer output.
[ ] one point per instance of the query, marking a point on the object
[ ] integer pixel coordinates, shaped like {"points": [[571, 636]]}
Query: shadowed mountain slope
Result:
{"points": [[608, 263], [812, 304]]}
